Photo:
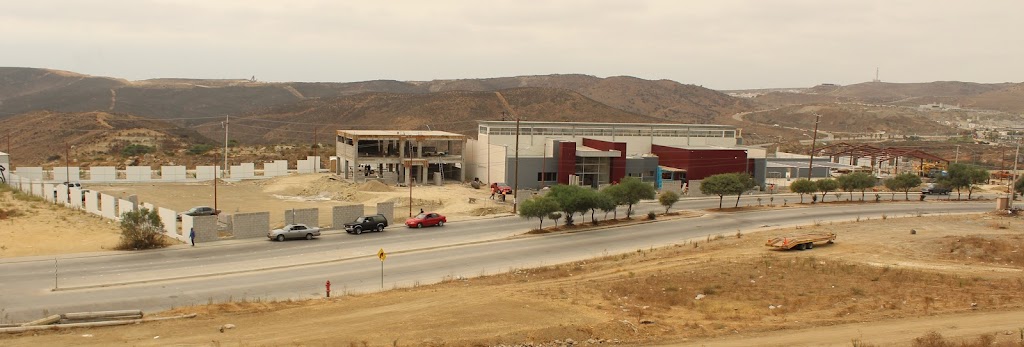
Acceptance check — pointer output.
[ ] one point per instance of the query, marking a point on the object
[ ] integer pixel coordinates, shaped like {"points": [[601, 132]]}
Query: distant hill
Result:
{"points": [[454, 111], [992, 96], [25, 90], [40, 137]]}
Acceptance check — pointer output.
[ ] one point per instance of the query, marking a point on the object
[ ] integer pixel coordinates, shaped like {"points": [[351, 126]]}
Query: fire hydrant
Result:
{"points": [[328, 288]]}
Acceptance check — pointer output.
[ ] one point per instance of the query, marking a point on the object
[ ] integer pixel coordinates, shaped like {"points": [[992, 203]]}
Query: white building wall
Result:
{"points": [[533, 145], [102, 174], [5, 165], [37, 188], [169, 218], [60, 192]]}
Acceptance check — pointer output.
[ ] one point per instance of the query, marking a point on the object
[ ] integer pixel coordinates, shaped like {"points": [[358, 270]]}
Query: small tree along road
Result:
{"points": [[727, 184], [668, 199], [803, 186]]}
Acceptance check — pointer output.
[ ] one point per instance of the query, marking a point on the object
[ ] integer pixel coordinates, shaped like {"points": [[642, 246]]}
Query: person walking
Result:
{"points": [[192, 236]]}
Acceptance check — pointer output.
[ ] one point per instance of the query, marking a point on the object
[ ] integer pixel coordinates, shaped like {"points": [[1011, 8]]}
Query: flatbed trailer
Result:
{"points": [[800, 241]]}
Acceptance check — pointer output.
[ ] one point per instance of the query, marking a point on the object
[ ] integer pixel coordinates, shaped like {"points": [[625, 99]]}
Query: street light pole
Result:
{"points": [[956, 159]]}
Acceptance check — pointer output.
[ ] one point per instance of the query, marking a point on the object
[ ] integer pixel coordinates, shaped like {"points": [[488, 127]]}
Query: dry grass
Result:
{"points": [[987, 248]]}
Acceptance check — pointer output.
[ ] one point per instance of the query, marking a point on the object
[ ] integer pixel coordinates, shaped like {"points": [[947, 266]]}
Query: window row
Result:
{"points": [[609, 132]]}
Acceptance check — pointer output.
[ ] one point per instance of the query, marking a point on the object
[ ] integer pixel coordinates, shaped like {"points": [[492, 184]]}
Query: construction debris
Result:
{"points": [[87, 320]]}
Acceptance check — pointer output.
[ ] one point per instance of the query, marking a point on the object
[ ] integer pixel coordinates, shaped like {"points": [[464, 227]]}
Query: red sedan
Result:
{"points": [[426, 220]]}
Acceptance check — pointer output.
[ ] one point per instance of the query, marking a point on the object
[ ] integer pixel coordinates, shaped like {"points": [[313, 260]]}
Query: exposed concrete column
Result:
{"points": [[408, 174], [355, 157], [462, 171], [423, 173], [401, 169]]}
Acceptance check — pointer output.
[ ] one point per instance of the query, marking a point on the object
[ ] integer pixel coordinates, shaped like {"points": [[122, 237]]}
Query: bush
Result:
{"points": [[134, 149], [141, 229], [651, 215], [198, 149]]}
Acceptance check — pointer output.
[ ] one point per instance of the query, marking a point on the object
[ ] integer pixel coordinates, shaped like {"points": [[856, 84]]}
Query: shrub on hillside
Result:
{"points": [[141, 229], [134, 149], [198, 149]]}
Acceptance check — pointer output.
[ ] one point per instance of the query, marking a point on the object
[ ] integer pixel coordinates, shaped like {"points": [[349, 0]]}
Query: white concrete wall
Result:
{"points": [[243, 171], [138, 173], [102, 174], [61, 193], [76, 198], [37, 188], [92, 203], [186, 225], [169, 218], [206, 173], [147, 206], [47, 193], [309, 165], [172, 173], [60, 174], [275, 168], [533, 145], [124, 206], [108, 206], [32, 173]]}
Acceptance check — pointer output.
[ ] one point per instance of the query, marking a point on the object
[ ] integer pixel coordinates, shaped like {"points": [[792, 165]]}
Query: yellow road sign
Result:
{"points": [[381, 254]]}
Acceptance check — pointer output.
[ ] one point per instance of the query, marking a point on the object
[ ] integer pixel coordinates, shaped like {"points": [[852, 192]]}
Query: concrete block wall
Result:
{"points": [[108, 206], [124, 206], [206, 228], [251, 225], [172, 173], [345, 214], [309, 165], [102, 174], [243, 171], [138, 173], [307, 216], [388, 210], [37, 188], [60, 174]]}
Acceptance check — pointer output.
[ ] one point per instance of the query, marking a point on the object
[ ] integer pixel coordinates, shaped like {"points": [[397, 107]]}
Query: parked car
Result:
{"points": [[294, 231], [426, 220], [375, 222], [199, 211], [504, 188], [933, 188]]}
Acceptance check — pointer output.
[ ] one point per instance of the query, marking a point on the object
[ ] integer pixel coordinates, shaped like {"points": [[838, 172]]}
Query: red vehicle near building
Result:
{"points": [[426, 220]]}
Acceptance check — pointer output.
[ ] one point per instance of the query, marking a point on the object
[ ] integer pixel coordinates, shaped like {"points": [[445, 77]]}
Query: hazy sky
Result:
{"points": [[722, 44]]}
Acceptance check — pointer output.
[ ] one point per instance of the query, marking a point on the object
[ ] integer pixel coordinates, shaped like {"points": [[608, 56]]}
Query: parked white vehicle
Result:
{"points": [[294, 231]]}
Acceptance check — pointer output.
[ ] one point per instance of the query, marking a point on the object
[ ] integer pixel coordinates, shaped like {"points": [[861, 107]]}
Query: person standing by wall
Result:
{"points": [[192, 236]]}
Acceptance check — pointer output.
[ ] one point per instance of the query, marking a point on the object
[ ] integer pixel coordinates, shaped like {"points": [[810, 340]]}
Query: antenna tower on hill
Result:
{"points": [[876, 76]]}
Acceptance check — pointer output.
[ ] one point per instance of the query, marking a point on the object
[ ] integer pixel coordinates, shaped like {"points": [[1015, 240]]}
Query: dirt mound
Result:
{"points": [[374, 186]]}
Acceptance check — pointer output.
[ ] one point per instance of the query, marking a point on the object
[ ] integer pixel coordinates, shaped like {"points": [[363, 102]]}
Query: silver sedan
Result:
{"points": [[294, 231]]}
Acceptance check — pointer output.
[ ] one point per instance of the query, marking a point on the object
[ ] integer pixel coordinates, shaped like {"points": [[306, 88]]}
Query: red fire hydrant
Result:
{"points": [[328, 288]]}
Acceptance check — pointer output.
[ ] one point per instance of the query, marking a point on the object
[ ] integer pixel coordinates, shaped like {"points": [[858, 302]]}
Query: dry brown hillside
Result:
{"points": [[845, 118], [454, 111]]}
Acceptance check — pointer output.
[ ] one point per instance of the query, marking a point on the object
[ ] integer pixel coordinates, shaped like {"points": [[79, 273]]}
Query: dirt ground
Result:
{"points": [[279, 194], [726, 290], [30, 226]]}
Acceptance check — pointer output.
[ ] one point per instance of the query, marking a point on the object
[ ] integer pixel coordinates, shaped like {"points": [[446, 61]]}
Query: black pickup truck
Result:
{"points": [[935, 189], [375, 222]]}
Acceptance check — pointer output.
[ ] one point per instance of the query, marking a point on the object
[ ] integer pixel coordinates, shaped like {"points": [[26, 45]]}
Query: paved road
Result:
{"points": [[234, 270]]}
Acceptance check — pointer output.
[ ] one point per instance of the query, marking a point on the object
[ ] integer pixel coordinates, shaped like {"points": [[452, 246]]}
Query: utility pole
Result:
{"points": [[226, 120], [956, 159], [316, 150], [515, 184], [408, 177], [814, 140], [1013, 182]]}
